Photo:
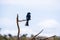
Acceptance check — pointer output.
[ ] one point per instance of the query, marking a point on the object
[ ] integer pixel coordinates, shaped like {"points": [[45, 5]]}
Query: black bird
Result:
{"points": [[28, 17]]}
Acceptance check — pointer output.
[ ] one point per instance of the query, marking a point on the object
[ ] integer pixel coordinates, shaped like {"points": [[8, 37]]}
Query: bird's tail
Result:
{"points": [[26, 23]]}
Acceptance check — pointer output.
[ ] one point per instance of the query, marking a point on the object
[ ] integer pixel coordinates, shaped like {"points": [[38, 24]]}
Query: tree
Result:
{"points": [[23, 37], [5, 37], [10, 37]]}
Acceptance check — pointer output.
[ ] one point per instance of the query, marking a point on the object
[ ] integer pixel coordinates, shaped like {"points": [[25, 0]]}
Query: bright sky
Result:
{"points": [[45, 15]]}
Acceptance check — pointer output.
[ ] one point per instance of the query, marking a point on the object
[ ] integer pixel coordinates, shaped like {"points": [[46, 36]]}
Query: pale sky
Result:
{"points": [[45, 14]]}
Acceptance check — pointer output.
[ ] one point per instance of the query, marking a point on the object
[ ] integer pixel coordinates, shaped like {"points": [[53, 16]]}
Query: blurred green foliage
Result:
{"points": [[23, 37]]}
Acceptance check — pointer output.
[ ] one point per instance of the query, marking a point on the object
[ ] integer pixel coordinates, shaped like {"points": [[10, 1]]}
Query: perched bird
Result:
{"points": [[28, 17]]}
